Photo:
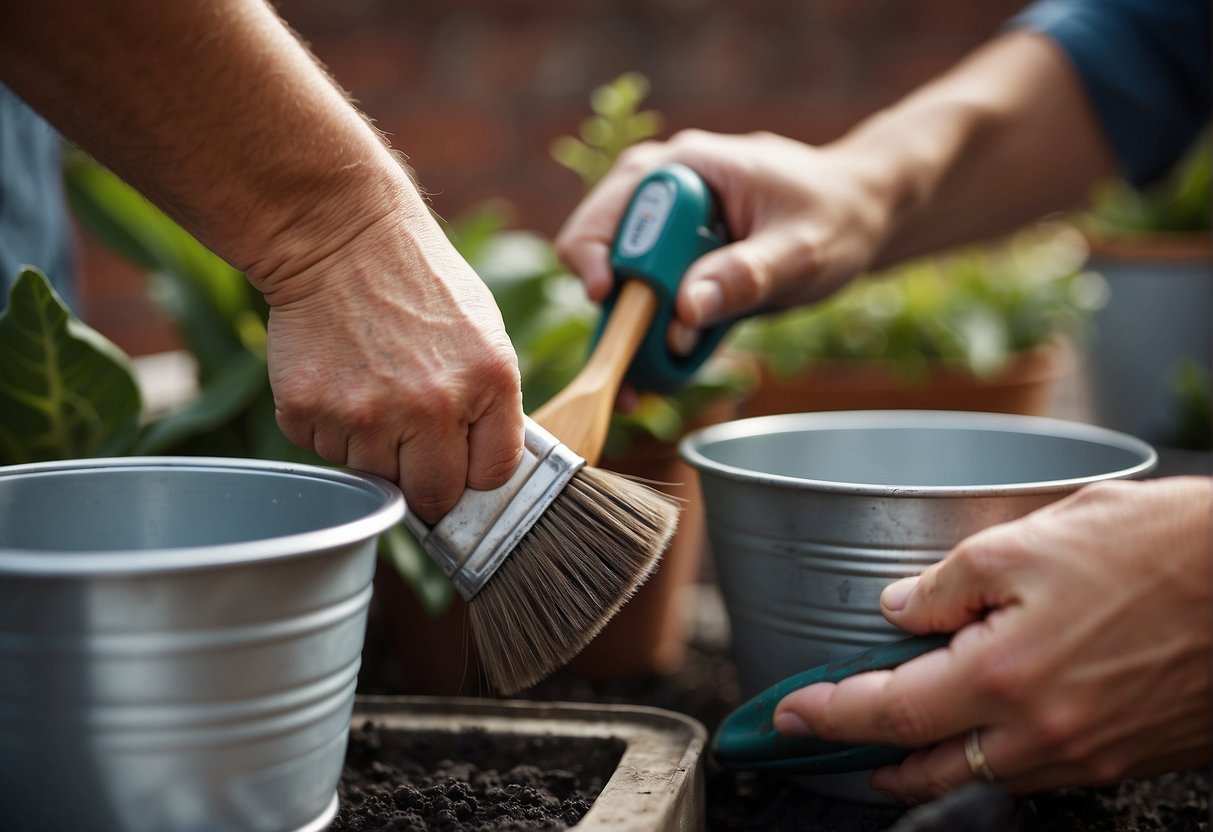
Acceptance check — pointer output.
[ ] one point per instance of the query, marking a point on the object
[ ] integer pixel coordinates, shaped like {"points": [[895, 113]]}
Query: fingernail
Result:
{"points": [[682, 338], [896, 594], [706, 300], [791, 725]]}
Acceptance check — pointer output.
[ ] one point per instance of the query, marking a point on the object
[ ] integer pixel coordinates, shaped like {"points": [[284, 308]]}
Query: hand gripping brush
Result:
{"points": [[547, 559]]}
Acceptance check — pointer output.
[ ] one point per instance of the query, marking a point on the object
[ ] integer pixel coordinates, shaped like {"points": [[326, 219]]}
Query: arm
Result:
{"points": [[386, 351], [1004, 137], [1001, 140]]}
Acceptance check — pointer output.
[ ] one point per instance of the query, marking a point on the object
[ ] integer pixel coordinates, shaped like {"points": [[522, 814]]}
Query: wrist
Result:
{"points": [[325, 213], [906, 155]]}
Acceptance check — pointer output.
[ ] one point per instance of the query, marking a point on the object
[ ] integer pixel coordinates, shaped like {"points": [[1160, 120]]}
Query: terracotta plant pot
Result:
{"points": [[1160, 292], [428, 654], [1023, 386]]}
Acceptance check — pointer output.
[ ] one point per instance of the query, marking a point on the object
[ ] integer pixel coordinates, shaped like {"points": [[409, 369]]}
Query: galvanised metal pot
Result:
{"points": [[180, 640], [811, 515]]}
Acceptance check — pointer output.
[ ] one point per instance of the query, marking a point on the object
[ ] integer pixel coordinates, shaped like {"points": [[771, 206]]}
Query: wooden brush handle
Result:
{"points": [[580, 414]]}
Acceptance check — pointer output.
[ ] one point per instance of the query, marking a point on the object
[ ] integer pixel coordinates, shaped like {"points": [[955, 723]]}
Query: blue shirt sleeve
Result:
{"points": [[34, 224], [1145, 65]]}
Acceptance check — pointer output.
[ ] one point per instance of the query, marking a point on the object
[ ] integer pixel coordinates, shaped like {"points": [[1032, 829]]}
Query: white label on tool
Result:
{"points": [[646, 219]]}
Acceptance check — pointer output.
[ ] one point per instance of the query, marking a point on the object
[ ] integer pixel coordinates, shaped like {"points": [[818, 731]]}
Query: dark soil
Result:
{"points": [[469, 782], [706, 688]]}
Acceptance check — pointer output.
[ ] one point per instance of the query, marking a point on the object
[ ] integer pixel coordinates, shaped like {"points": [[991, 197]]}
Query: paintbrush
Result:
{"points": [[546, 560]]}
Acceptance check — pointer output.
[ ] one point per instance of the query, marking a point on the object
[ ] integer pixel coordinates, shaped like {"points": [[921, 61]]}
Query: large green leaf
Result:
{"points": [[218, 314], [65, 391]]}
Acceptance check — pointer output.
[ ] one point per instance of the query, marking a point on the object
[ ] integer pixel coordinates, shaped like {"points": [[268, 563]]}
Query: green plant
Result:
{"points": [[1193, 407], [65, 391], [1179, 202], [972, 308], [616, 124]]}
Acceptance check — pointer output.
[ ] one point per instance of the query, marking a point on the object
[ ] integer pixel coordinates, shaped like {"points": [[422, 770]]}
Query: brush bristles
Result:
{"points": [[582, 560]]}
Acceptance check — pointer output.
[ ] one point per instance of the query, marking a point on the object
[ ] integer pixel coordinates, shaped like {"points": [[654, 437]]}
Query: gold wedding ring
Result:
{"points": [[977, 759]]}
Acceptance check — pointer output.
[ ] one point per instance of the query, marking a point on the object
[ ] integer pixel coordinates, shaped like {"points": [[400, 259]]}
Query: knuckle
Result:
{"points": [[433, 504], [331, 448], [639, 156], [689, 137], [498, 469], [748, 278], [293, 397], [497, 369], [434, 404], [937, 786], [987, 555], [999, 675], [905, 722], [1107, 770], [362, 411], [1057, 729], [802, 252]]}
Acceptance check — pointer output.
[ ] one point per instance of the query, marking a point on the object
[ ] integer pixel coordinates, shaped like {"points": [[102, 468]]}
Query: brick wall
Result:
{"points": [[474, 91]]}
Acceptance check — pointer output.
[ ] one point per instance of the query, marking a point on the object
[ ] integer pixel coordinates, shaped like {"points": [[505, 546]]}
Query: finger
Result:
{"points": [[931, 772], [331, 444], [628, 398], [584, 243], [377, 454], [495, 446], [299, 432], [680, 338], [923, 701], [926, 774], [755, 273], [433, 472]]}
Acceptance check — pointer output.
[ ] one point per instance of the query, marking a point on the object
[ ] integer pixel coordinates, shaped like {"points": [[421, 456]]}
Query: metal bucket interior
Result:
{"points": [[180, 640], [923, 451], [811, 515]]}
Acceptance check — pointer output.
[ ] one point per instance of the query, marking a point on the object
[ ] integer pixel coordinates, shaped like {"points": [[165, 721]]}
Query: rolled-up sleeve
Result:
{"points": [[1145, 65]]}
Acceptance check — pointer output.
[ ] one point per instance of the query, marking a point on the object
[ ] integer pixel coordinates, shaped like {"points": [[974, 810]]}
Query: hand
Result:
{"points": [[1081, 657], [805, 219], [389, 355]]}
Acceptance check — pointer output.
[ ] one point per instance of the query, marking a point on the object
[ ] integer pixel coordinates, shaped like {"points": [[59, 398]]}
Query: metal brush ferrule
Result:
{"points": [[472, 541]]}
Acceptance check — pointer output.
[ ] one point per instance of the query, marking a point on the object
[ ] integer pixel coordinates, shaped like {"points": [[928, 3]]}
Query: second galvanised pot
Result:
{"points": [[811, 515], [180, 641]]}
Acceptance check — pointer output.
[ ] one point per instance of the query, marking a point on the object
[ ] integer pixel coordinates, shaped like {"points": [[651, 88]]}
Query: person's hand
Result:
{"points": [[389, 355], [1082, 656], [805, 220]]}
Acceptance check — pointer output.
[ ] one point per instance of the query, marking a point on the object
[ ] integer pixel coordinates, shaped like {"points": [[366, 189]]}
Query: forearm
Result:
{"points": [[214, 111], [1004, 138]]}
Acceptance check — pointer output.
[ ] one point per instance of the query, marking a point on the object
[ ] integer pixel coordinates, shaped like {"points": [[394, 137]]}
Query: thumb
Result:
{"points": [[943, 599], [745, 276]]}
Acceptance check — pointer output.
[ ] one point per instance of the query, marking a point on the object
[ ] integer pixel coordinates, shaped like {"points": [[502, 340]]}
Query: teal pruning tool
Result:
{"points": [[671, 221], [747, 738]]}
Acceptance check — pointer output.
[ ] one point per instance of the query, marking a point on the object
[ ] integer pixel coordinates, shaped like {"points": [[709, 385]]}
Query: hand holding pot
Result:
{"points": [[1081, 657]]}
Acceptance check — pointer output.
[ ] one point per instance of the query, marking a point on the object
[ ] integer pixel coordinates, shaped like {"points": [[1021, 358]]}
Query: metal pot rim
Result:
{"points": [[64, 564], [691, 448]]}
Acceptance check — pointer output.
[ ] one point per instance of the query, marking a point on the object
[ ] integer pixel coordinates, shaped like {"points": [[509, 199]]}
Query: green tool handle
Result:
{"points": [[671, 221], [747, 738]]}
